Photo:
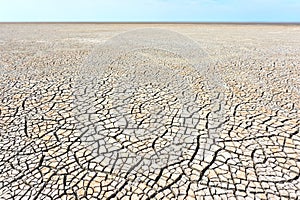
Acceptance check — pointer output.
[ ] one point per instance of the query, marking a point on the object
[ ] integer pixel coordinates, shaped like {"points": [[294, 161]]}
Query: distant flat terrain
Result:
{"points": [[149, 111]]}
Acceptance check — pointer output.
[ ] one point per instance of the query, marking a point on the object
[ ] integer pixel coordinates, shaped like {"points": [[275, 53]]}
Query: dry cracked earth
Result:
{"points": [[149, 111]]}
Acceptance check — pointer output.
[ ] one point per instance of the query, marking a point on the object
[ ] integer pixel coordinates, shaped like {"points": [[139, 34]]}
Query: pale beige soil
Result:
{"points": [[62, 135]]}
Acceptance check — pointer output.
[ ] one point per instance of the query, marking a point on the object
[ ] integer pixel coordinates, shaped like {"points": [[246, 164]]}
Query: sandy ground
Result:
{"points": [[149, 111]]}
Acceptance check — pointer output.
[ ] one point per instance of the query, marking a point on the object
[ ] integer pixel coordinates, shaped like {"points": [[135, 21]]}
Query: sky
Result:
{"points": [[150, 10]]}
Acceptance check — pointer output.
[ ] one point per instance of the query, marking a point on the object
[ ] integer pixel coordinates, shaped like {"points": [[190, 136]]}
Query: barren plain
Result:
{"points": [[149, 111]]}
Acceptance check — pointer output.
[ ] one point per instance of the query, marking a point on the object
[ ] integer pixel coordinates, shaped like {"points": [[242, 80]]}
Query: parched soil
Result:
{"points": [[81, 119]]}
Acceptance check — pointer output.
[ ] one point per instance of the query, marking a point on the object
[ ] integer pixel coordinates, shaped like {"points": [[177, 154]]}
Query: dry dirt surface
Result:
{"points": [[149, 111]]}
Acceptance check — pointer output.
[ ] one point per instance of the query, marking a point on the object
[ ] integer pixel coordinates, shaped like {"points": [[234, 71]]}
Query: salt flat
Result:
{"points": [[149, 111]]}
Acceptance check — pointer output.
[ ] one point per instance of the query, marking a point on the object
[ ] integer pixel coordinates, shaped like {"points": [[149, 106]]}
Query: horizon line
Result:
{"points": [[148, 22]]}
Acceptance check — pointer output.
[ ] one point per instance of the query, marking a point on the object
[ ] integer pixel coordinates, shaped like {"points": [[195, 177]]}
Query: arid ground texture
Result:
{"points": [[149, 111]]}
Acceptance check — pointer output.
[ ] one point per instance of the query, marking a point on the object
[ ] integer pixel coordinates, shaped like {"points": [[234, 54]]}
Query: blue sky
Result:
{"points": [[151, 10]]}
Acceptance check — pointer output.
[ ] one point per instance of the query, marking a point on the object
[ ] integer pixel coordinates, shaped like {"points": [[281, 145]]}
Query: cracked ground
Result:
{"points": [[149, 125]]}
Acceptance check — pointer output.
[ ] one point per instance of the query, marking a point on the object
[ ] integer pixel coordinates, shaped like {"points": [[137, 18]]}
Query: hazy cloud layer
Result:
{"points": [[150, 10]]}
